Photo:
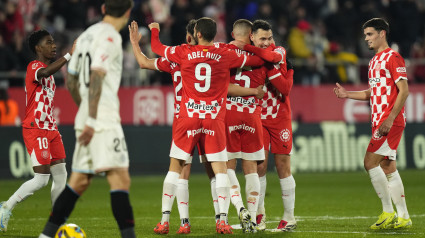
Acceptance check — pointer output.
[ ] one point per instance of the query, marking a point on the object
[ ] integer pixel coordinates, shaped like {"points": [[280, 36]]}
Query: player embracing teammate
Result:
{"points": [[205, 73]]}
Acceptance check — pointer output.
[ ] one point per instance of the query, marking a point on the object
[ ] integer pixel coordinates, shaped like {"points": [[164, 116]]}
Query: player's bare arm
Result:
{"points": [[95, 90], [403, 93], [72, 85], [238, 91], [135, 37], [340, 92], [55, 66]]}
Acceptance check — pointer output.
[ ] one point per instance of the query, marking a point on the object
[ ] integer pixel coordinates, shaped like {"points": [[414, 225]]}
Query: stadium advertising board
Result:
{"points": [[154, 105], [323, 147]]}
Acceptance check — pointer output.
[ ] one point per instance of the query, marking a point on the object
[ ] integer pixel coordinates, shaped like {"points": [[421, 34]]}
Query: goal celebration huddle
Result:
{"points": [[231, 104]]}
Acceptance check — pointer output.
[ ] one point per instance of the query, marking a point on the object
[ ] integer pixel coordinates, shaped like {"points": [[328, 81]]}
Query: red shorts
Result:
{"points": [[244, 134], [189, 161], [208, 133], [385, 145], [277, 135], [43, 146]]}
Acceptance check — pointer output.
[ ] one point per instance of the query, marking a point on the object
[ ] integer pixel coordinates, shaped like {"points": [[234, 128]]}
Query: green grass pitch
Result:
{"points": [[327, 205]]}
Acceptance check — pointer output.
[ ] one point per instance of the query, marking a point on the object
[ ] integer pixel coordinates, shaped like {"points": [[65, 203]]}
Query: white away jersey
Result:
{"points": [[99, 48], [385, 70]]}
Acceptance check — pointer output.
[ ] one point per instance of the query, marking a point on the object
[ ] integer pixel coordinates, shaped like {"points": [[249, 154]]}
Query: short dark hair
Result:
{"points": [[117, 8], [190, 27], [242, 22], [35, 38], [207, 27], [261, 24], [379, 24]]}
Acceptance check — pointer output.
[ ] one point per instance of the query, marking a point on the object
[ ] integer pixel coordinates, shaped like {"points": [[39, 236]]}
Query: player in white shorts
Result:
{"points": [[94, 77]]}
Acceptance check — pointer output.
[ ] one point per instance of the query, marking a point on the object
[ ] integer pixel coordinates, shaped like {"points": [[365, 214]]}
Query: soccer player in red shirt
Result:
{"points": [[387, 93], [163, 65], [205, 75], [41, 136], [276, 120], [244, 128]]}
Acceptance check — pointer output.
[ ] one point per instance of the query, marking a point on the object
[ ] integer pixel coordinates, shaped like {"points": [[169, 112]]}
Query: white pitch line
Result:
{"points": [[355, 232]]}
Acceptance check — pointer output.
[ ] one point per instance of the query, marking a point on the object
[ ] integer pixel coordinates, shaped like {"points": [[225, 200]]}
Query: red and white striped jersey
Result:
{"points": [[274, 103], [248, 77], [39, 99], [163, 65], [385, 70], [205, 74]]}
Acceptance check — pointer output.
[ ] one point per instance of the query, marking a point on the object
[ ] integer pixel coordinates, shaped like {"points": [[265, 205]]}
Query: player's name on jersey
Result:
{"points": [[242, 52], [204, 54], [241, 100], [205, 107]]}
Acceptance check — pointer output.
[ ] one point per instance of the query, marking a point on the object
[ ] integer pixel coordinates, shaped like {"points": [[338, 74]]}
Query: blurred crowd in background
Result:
{"points": [[324, 38]]}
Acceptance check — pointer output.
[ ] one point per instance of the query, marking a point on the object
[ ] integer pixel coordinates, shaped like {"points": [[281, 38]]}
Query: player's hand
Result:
{"points": [[260, 92], [86, 136], [154, 25], [385, 128], [73, 46], [135, 36], [340, 92], [238, 43]]}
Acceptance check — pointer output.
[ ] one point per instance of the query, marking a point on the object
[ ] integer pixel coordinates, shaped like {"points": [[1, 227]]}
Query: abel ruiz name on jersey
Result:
{"points": [[202, 54]]}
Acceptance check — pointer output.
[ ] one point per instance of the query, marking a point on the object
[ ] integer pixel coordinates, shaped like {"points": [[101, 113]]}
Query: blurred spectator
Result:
{"points": [[419, 67], [8, 109], [9, 61], [306, 45], [405, 24], [343, 65], [11, 21]]}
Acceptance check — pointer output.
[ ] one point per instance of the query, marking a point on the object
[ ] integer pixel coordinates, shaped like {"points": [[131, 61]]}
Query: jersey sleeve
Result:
{"points": [[274, 56], [106, 50], [163, 65], [239, 60], [397, 68], [32, 70], [283, 83], [171, 53]]}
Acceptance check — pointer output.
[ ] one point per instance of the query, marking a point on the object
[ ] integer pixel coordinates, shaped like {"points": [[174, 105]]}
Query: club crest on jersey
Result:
{"points": [[45, 154], [376, 135], [285, 135], [34, 65]]}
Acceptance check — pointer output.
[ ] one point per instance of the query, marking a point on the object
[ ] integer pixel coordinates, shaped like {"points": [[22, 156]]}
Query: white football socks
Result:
{"points": [[380, 183], [396, 188], [182, 194], [235, 190], [261, 202], [252, 190], [214, 196], [59, 176], [27, 189], [287, 186], [223, 192], [168, 194]]}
